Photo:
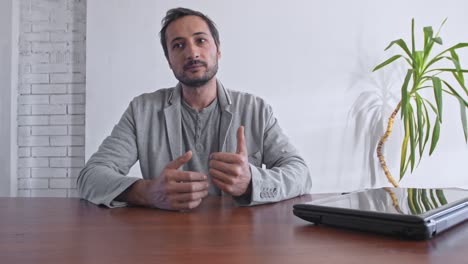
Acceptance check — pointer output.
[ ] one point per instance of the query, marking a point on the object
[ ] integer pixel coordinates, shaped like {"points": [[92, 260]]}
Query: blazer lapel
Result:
{"points": [[226, 115], [173, 119]]}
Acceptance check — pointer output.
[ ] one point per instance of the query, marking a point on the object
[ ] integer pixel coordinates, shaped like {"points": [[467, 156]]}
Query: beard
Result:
{"points": [[197, 82]]}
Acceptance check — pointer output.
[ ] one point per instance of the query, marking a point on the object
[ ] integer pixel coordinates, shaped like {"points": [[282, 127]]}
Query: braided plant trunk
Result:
{"points": [[394, 198], [424, 73], [381, 143]]}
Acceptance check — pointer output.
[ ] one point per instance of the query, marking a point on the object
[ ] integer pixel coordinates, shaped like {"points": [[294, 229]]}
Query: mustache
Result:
{"points": [[194, 62]]}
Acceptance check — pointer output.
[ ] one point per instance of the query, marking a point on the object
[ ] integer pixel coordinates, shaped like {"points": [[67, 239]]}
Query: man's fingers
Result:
{"points": [[177, 163], [221, 176], [187, 187], [241, 145], [185, 205], [227, 157], [188, 197], [185, 176], [227, 168], [223, 186]]}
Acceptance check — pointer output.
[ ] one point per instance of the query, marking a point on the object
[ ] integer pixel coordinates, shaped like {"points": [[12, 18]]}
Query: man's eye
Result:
{"points": [[202, 40], [177, 46]]}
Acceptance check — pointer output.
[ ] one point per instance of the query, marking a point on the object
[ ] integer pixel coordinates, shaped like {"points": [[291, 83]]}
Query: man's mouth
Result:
{"points": [[194, 65]]}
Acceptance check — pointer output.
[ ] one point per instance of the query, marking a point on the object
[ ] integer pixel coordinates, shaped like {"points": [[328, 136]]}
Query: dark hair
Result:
{"points": [[176, 13]]}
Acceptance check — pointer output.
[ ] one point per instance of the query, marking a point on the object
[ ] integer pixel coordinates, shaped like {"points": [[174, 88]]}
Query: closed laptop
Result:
{"points": [[403, 212]]}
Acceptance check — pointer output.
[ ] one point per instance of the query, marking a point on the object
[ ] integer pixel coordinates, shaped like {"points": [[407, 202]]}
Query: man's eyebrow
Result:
{"points": [[199, 33], [176, 39], [194, 34]]}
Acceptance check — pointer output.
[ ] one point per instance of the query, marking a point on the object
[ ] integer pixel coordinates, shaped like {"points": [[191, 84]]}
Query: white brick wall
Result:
{"points": [[67, 120], [49, 151], [49, 130], [49, 89], [51, 97], [48, 173]]}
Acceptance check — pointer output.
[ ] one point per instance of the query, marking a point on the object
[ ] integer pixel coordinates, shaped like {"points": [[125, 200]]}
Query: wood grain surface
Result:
{"points": [[61, 230]]}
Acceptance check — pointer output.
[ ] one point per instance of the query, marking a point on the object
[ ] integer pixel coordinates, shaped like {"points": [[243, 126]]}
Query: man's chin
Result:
{"points": [[197, 79], [194, 83]]}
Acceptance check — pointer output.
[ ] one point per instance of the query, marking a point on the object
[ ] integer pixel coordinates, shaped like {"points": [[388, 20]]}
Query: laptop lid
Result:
{"points": [[404, 212]]}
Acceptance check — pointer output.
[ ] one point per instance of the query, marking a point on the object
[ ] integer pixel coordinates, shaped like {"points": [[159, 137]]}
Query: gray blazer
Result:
{"points": [[150, 131]]}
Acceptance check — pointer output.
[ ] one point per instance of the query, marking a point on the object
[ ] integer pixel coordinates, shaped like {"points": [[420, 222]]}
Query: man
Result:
{"points": [[195, 139]]}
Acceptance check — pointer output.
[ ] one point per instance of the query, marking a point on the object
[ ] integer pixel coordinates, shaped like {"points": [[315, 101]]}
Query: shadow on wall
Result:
{"points": [[376, 99]]}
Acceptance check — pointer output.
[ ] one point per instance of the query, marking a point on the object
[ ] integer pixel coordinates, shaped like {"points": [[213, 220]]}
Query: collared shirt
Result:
{"points": [[200, 133]]}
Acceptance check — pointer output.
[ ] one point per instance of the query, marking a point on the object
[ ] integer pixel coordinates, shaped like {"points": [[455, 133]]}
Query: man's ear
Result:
{"points": [[219, 52]]}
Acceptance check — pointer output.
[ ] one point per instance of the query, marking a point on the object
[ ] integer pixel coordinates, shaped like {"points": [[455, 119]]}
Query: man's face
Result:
{"points": [[192, 52]]}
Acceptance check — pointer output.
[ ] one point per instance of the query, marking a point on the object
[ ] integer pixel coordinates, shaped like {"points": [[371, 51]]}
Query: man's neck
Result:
{"points": [[200, 97]]}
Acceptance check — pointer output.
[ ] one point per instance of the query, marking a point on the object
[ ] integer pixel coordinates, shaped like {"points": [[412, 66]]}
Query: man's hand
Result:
{"points": [[173, 189], [231, 171]]}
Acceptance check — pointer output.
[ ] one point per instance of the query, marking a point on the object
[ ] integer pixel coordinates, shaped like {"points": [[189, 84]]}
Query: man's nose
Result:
{"points": [[193, 51]]}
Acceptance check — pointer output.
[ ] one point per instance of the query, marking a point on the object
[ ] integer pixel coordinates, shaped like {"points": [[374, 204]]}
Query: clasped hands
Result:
{"points": [[181, 190]]}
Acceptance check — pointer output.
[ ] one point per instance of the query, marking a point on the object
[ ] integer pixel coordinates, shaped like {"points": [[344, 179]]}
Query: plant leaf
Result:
{"points": [[404, 93], [425, 200], [434, 109], [404, 147], [441, 25], [413, 45], [438, 95], [456, 61], [435, 136], [420, 199], [411, 205], [441, 197], [428, 33], [434, 60], [434, 201], [416, 200], [388, 61], [463, 118], [409, 62], [428, 44], [458, 46], [461, 82], [413, 199], [420, 127], [438, 40], [412, 136], [455, 93], [459, 71], [419, 60], [428, 127], [449, 70], [454, 47], [402, 44]]}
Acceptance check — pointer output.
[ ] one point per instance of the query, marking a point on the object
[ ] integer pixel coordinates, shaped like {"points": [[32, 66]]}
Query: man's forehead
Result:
{"points": [[187, 26]]}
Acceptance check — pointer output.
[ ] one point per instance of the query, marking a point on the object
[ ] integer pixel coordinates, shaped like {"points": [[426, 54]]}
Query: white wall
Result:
{"points": [[311, 60], [5, 94], [51, 97]]}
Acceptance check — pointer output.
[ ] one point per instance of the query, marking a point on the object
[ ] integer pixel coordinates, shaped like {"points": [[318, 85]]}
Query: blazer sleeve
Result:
{"points": [[104, 176], [285, 174]]}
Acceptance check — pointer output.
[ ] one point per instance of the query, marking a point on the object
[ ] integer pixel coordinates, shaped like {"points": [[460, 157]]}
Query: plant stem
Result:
{"points": [[395, 203], [382, 141]]}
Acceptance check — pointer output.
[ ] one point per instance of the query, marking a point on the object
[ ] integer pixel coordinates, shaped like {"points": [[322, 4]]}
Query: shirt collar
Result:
{"points": [[224, 98]]}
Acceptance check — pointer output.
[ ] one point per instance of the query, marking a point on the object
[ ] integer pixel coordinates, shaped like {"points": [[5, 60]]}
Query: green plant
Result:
{"points": [[423, 73], [423, 200], [419, 200]]}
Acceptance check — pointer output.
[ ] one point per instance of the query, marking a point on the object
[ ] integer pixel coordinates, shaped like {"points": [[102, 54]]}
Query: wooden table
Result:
{"points": [[60, 230]]}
